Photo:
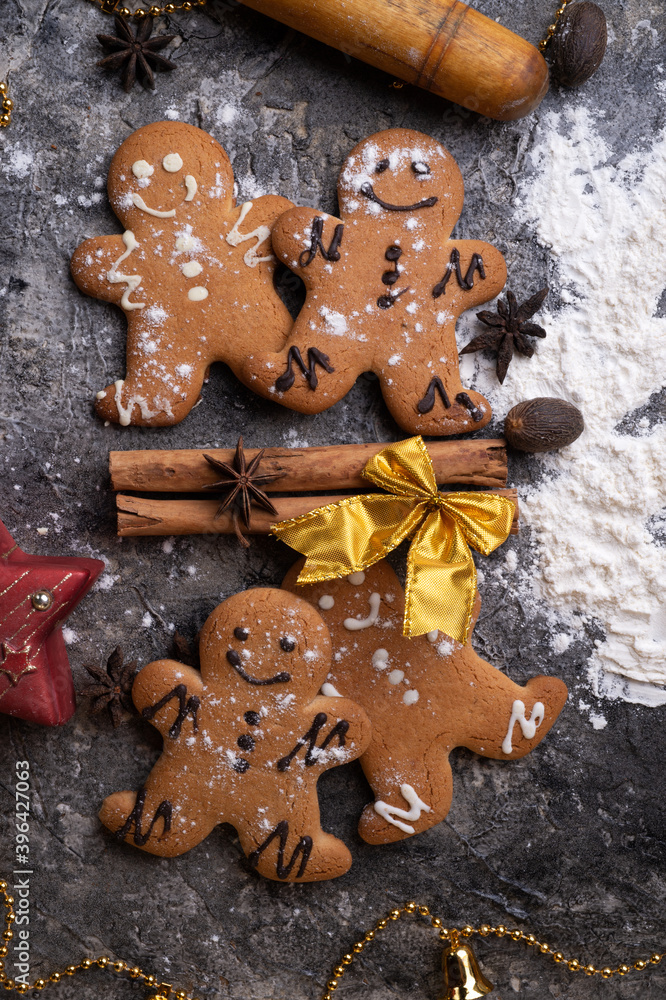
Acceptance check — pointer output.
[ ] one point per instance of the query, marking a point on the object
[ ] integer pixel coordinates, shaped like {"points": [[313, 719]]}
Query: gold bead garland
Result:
{"points": [[162, 991], [552, 28], [112, 7], [7, 105]]}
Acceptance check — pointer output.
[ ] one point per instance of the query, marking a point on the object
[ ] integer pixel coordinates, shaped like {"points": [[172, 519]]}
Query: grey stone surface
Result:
{"points": [[568, 842]]}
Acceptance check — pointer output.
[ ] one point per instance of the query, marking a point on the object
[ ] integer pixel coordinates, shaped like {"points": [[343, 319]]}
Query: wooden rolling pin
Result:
{"points": [[441, 45]]}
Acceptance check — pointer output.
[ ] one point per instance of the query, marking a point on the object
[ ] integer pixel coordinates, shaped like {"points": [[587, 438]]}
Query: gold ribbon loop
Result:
{"points": [[348, 536]]}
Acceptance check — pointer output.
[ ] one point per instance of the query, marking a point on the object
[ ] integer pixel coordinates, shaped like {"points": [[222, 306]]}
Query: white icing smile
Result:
{"points": [[141, 205]]}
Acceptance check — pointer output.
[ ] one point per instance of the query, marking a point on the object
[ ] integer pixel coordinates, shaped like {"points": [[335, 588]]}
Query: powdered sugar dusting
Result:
{"points": [[606, 353]]}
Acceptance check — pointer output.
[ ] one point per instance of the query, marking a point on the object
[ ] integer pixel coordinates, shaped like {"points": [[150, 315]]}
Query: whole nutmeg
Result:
{"points": [[543, 424], [578, 44]]}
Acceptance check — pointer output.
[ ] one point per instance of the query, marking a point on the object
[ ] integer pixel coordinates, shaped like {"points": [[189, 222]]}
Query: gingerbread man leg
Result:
{"points": [[434, 397], [513, 719], [421, 799], [164, 817], [285, 840], [162, 383], [305, 375]]}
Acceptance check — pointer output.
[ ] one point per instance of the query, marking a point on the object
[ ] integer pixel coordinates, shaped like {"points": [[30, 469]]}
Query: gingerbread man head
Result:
{"points": [[245, 741], [168, 170], [255, 653], [382, 174], [192, 272], [385, 285]]}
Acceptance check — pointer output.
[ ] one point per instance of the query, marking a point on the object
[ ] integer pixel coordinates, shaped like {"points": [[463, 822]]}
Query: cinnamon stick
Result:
{"points": [[142, 516], [477, 462]]}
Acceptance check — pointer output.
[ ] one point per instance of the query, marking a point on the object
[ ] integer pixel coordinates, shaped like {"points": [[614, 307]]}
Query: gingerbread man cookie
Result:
{"points": [[245, 741], [424, 697], [193, 272], [385, 285]]}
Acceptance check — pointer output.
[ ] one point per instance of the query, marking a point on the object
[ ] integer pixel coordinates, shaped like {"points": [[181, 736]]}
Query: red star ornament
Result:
{"points": [[37, 593]]}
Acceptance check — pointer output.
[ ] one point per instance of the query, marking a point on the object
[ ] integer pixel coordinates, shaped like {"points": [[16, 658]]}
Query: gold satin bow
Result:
{"points": [[352, 534]]}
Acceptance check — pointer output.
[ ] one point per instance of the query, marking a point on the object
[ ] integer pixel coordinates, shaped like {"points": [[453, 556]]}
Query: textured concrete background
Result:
{"points": [[568, 842]]}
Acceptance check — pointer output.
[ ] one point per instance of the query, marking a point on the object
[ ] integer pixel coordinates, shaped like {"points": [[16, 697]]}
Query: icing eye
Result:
{"points": [[172, 163], [241, 633], [41, 600], [141, 169], [287, 644], [381, 166], [419, 167]]}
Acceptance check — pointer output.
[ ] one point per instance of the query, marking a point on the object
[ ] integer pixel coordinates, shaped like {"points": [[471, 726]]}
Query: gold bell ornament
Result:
{"points": [[462, 976]]}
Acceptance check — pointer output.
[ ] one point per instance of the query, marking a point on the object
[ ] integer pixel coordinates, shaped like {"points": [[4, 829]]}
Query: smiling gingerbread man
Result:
{"points": [[245, 741], [385, 286], [192, 271]]}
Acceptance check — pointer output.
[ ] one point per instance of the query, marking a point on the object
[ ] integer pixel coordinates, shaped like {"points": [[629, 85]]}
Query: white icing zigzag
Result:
{"points": [[131, 280], [261, 234], [528, 726], [390, 813]]}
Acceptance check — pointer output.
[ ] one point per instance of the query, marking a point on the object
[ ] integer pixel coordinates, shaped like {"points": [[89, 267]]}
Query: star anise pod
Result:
{"points": [[182, 651], [136, 55], [241, 486], [509, 330], [113, 687]]}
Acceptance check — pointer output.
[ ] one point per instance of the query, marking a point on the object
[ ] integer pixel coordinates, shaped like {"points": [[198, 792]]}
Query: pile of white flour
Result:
{"points": [[605, 352]]}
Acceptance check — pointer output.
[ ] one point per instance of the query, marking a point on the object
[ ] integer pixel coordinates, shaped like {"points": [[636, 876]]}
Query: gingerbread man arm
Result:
{"points": [[335, 730], [308, 242], [515, 719], [168, 694], [473, 255], [92, 263], [251, 229], [267, 209]]}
